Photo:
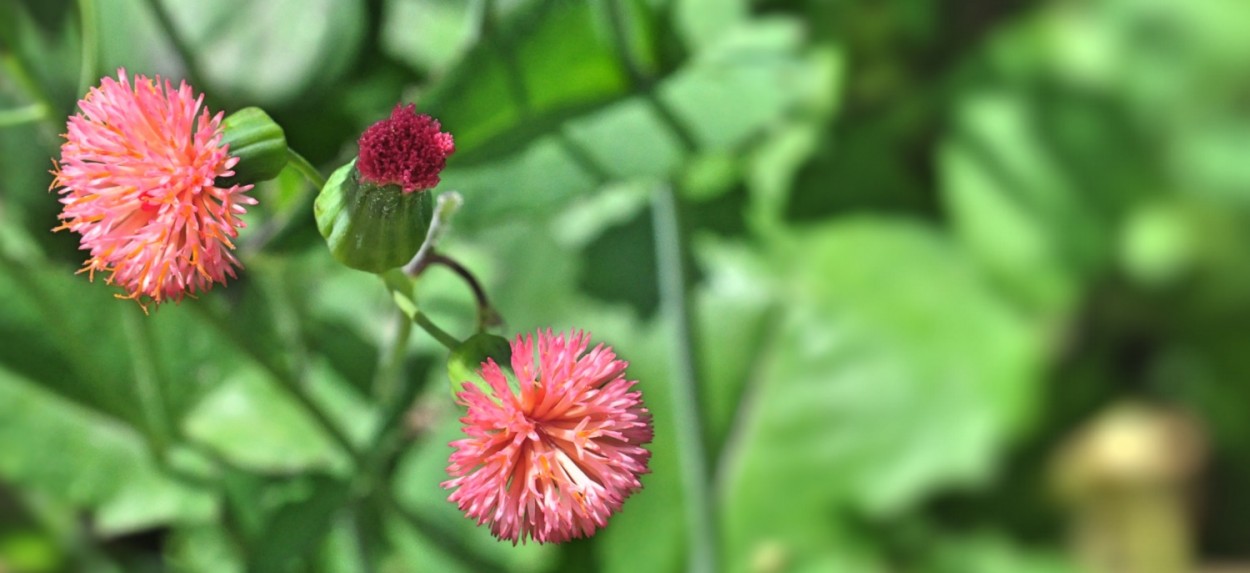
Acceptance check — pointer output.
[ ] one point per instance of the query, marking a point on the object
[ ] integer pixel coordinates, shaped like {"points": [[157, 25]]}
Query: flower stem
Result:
{"points": [[300, 164], [444, 210], [400, 286], [447, 340], [89, 65], [148, 384], [386, 380], [486, 315], [686, 411]]}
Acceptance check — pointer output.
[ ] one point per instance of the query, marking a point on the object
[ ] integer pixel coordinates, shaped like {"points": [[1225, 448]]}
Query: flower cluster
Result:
{"points": [[137, 178], [554, 440], [553, 457]]}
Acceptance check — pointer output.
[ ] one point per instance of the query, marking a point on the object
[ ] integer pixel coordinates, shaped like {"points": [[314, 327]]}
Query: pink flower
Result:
{"points": [[406, 149], [554, 460], [137, 178]]}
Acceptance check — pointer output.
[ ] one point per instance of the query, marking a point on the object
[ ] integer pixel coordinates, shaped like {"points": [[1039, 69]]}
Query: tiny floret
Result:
{"points": [[138, 181], [407, 149], [552, 453]]}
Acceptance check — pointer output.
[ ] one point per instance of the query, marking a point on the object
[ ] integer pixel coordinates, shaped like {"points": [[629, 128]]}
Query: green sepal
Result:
{"points": [[464, 364], [370, 227], [259, 143]]}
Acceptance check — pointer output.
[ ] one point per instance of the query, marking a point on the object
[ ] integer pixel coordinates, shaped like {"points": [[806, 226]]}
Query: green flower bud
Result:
{"points": [[371, 227], [259, 143], [466, 360]]}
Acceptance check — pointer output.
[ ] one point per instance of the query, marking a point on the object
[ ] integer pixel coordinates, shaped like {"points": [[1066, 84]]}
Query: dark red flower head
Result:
{"points": [[406, 149]]}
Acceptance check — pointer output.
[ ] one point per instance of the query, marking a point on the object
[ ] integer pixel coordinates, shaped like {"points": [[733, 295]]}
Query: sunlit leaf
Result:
{"points": [[894, 371]]}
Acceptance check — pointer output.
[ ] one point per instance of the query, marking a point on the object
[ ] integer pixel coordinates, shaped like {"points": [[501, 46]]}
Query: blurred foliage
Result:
{"points": [[923, 243]]}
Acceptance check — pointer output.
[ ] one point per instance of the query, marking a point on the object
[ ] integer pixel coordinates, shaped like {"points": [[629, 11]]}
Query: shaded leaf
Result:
{"points": [[46, 442]]}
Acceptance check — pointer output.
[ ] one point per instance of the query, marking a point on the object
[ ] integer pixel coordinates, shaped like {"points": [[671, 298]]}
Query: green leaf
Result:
{"points": [[736, 312], [466, 360], [428, 35], [252, 424], [303, 518], [1015, 208], [143, 49], [702, 22], [268, 53], [45, 442], [988, 553], [203, 549], [547, 146], [894, 371]]}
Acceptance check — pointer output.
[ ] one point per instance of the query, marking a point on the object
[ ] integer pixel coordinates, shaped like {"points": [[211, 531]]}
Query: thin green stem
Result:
{"points": [[448, 203], [89, 64], [400, 285], [387, 379], [148, 384], [280, 227], [447, 340], [22, 115], [302, 165], [684, 385]]}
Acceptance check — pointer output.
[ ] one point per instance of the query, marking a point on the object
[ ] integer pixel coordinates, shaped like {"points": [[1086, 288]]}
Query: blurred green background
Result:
{"points": [[962, 285]]}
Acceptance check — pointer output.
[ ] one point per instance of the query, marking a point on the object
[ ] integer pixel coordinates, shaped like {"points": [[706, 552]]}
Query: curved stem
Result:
{"points": [[686, 411], [439, 334], [486, 315], [400, 286], [302, 165], [444, 210]]}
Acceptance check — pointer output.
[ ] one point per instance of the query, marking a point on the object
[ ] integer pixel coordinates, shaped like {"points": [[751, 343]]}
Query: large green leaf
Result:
{"points": [[987, 553], [429, 35], [270, 52], [998, 184], [143, 49], [251, 421], [86, 460], [894, 371], [521, 148]]}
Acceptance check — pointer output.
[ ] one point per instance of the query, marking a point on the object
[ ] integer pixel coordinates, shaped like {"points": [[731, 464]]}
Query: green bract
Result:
{"points": [[259, 143], [466, 360], [370, 227]]}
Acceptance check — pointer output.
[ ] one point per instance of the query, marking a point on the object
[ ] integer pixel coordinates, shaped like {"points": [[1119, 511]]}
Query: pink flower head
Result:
{"points": [[137, 178], [553, 456], [406, 149]]}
